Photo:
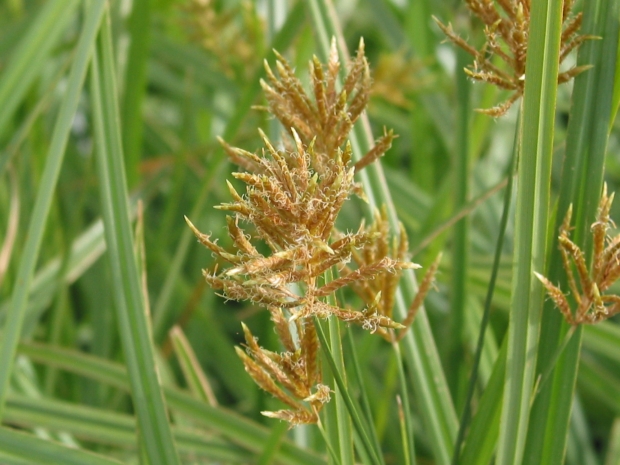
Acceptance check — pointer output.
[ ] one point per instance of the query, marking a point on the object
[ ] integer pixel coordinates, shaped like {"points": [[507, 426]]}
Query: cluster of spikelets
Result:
{"points": [[592, 304], [506, 29], [292, 198]]}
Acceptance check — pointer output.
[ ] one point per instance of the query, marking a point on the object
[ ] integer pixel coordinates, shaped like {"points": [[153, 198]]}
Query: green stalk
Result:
{"points": [[405, 406], [135, 86], [419, 348], [536, 149], [460, 242], [581, 185], [475, 438], [365, 408], [40, 212], [354, 412], [343, 421], [482, 436], [134, 326]]}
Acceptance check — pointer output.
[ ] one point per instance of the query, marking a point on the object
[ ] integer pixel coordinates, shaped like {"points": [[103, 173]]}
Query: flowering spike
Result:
{"points": [[511, 27]]}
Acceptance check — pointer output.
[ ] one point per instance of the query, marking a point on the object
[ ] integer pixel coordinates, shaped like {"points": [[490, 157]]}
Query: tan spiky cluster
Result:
{"points": [[292, 198], [293, 210], [506, 29], [592, 304], [379, 293], [291, 376]]}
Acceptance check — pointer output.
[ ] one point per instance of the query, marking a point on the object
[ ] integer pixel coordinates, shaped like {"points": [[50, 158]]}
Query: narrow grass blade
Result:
{"points": [[10, 234], [481, 441], [455, 371], [404, 411], [135, 86], [613, 449], [343, 422], [353, 411], [28, 447], [28, 59], [110, 428], [584, 164], [194, 375], [580, 445], [36, 227], [356, 371], [536, 150], [466, 415], [131, 308], [229, 424]]}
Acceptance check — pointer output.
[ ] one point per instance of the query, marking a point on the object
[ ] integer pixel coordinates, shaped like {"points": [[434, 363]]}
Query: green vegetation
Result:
{"points": [[115, 349]]}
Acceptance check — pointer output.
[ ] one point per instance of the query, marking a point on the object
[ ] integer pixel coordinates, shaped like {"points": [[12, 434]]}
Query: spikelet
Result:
{"points": [[506, 29], [588, 291]]}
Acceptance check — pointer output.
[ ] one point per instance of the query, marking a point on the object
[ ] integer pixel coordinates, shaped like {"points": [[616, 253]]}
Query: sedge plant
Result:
{"points": [[318, 344]]}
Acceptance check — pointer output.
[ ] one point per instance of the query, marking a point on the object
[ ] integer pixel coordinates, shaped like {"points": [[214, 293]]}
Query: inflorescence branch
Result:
{"points": [[292, 198]]}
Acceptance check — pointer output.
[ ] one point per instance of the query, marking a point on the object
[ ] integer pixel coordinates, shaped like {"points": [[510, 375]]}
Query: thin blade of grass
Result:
{"points": [[110, 428], [192, 371], [481, 441], [466, 415], [455, 371], [38, 450], [404, 413], [344, 436], [580, 449], [536, 151], [229, 424], [37, 222], [131, 307], [135, 86], [584, 165], [28, 59], [358, 424], [613, 449], [356, 371]]}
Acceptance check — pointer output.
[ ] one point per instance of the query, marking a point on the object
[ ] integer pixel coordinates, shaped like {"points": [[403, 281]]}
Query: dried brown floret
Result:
{"points": [[326, 119], [293, 376], [379, 288], [506, 31], [592, 304]]}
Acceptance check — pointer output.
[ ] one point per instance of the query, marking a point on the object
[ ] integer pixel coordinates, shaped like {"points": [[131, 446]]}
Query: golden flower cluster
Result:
{"points": [[292, 198], [506, 29], [592, 304]]}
